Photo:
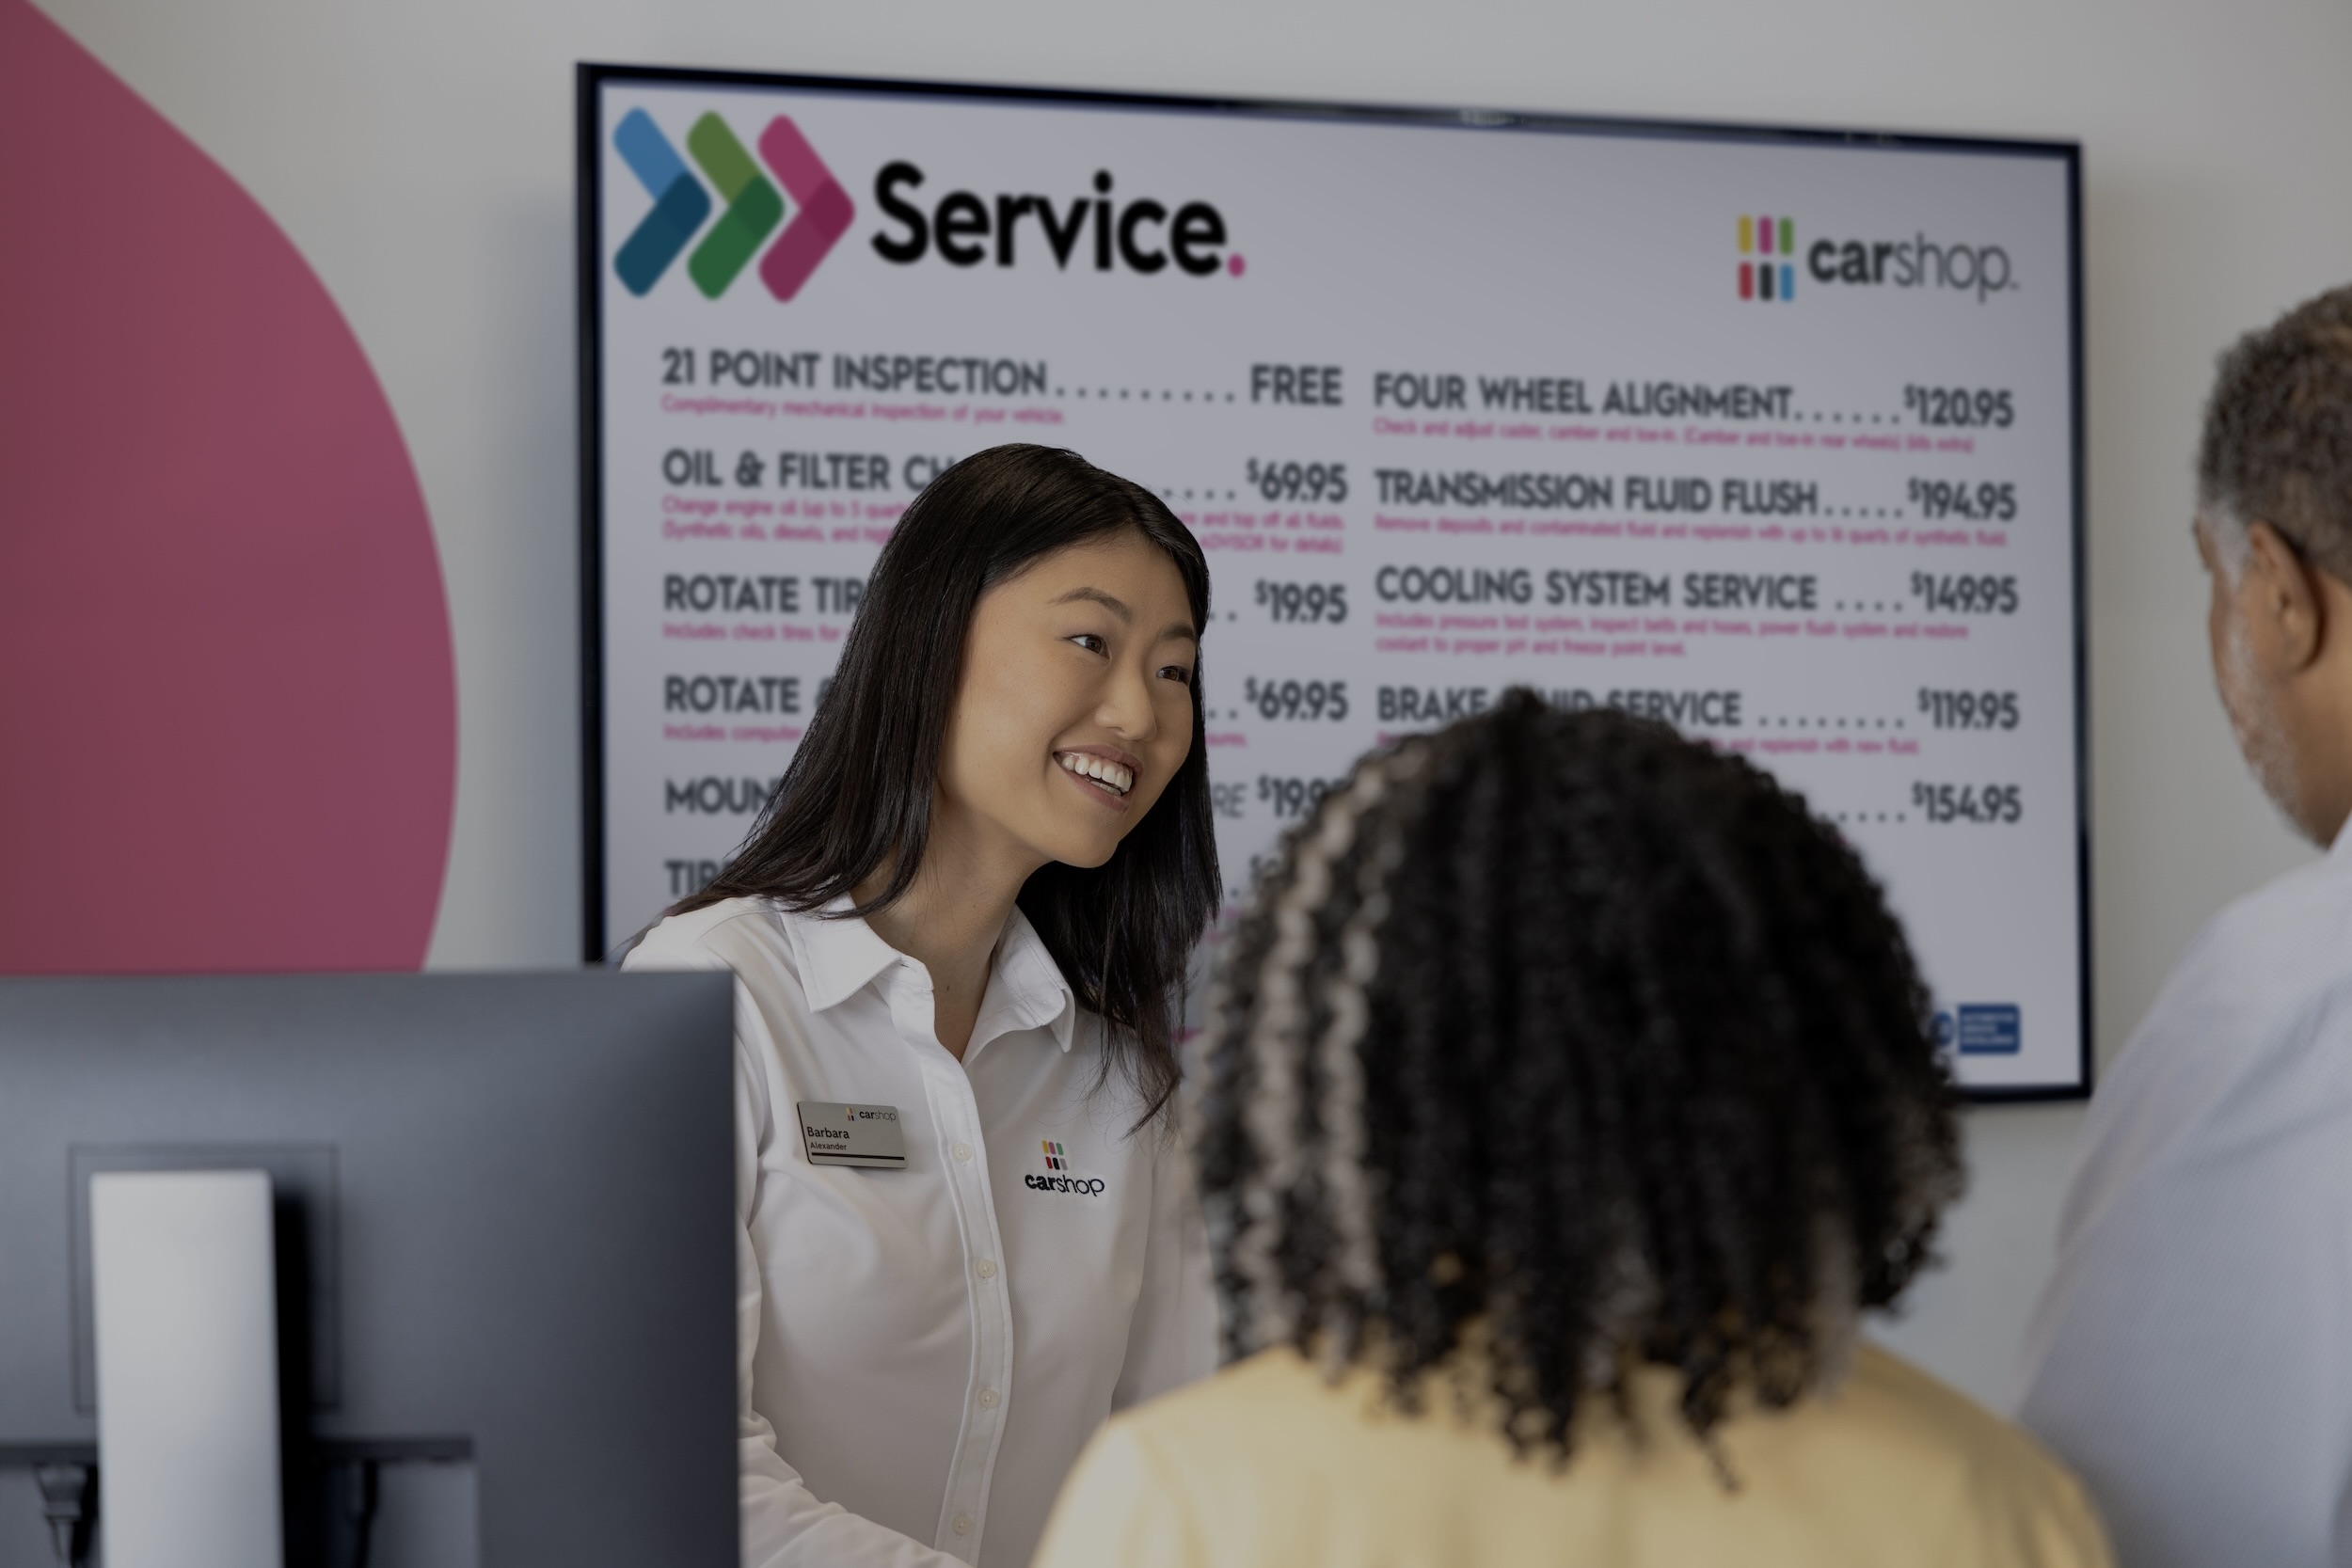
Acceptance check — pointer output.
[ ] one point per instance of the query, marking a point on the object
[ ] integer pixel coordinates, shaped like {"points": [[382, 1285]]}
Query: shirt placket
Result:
{"points": [[964, 1155]]}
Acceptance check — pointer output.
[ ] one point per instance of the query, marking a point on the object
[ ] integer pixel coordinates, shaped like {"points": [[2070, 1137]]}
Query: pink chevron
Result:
{"points": [[824, 214]]}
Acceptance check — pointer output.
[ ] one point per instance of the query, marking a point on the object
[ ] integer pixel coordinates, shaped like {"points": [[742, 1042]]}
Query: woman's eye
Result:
{"points": [[1091, 642], [1177, 673]]}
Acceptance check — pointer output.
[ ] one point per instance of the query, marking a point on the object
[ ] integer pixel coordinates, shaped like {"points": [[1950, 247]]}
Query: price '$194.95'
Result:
{"points": [[1988, 502]]}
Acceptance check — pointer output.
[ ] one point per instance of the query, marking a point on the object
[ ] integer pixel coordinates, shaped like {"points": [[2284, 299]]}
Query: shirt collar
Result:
{"points": [[1029, 985], [839, 954]]}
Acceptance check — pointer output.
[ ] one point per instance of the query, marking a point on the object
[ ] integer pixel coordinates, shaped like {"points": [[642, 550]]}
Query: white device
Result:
{"points": [[184, 1293]]}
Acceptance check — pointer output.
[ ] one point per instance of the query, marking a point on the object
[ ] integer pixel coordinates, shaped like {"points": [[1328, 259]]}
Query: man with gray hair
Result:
{"points": [[2192, 1359]]}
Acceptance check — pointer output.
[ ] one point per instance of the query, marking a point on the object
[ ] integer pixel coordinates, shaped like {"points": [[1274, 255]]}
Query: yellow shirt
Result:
{"points": [[1268, 1463]]}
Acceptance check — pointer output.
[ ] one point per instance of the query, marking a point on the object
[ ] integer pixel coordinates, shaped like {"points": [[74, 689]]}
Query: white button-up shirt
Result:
{"points": [[2192, 1358], [923, 1352]]}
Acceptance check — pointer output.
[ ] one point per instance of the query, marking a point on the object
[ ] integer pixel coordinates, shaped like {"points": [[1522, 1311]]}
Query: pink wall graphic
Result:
{"points": [[228, 709]]}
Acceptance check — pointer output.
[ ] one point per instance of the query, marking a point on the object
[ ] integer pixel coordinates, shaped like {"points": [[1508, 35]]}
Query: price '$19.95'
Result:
{"points": [[1313, 603], [1291, 797]]}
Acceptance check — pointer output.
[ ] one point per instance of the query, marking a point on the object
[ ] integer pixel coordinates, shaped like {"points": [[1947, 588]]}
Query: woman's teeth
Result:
{"points": [[1108, 774]]}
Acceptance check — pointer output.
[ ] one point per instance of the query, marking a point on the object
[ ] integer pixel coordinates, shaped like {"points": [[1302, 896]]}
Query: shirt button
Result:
{"points": [[963, 1151], [987, 1398], [985, 1268], [963, 1524]]}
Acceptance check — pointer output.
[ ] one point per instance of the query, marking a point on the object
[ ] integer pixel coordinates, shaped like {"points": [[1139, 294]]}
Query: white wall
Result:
{"points": [[420, 155]]}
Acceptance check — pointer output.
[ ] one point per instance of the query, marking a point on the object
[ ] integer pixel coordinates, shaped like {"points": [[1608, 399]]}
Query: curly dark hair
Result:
{"points": [[1559, 1036], [2278, 441]]}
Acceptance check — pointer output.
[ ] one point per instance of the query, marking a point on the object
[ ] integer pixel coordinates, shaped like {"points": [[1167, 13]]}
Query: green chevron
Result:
{"points": [[754, 208]]}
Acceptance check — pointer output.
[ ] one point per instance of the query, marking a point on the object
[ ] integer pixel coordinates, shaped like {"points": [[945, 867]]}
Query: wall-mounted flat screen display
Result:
{"points": [[1772, 436]]}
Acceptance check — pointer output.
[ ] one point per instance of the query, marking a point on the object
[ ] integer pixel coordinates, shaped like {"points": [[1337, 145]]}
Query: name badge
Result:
{"points": [[852, 1134]]}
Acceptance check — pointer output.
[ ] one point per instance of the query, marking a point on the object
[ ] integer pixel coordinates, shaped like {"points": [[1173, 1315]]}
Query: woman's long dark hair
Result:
{"points": [[858, 794], [1561, 1033]]}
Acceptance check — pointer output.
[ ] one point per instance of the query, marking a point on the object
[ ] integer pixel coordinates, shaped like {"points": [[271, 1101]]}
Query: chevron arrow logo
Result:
{"points": [[824, 215], [753, 210], [680, 203]]}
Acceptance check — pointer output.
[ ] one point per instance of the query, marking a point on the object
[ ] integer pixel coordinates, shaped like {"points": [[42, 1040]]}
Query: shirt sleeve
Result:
{"points": [[784, 1524], [2194, 1364], [1119, 1509], [2033, 1514], [1172, 1338]]}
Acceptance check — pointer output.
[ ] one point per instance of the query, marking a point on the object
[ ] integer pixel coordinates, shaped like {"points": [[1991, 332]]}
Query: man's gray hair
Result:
{"points": [[2277, 439]]}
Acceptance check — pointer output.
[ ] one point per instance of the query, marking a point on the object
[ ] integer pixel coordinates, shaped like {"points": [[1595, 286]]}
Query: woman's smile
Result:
{"points": [[1100, 771]]}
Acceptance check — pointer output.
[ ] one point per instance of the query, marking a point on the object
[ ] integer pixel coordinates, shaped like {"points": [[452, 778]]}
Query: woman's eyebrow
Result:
{"points": [[1118, 607], [1115, 604]]}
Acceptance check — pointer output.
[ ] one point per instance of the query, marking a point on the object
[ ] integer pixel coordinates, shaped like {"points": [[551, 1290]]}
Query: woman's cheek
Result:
{"points": [[1022, 702]]}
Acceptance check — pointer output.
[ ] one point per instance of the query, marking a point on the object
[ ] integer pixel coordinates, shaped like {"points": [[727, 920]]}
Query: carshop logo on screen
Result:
{"points": [[1760, 240], [1769, 269], [754, 213]]}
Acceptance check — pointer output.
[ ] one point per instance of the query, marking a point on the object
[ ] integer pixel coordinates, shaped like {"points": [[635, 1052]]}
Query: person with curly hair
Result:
{"points": [[2192, 1356], [1569, 1095]]}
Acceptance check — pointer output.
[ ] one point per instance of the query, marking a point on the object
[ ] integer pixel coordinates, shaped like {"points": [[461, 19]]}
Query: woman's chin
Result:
{"points": [[1085, 854]]}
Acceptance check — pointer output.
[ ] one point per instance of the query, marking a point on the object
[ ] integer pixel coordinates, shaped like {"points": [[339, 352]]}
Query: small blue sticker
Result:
{"points": [[1989, 1029]]}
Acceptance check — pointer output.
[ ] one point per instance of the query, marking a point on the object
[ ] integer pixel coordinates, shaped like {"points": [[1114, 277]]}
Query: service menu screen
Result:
{"points": [[1771, 436]]}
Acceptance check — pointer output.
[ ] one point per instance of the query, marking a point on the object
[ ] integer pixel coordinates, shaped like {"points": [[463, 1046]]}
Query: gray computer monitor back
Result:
{"points": [[506, 1227]]}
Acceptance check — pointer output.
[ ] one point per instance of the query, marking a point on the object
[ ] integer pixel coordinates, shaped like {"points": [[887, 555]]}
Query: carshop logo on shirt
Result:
{"points": [[1084, 1186]]}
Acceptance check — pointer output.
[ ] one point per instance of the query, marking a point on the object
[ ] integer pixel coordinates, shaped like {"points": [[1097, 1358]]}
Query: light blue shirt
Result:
{"points": [[2192, 1358]]}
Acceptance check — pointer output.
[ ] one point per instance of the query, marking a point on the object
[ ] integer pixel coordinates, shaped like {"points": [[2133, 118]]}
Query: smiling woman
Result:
{"points": [[989, 655], [959, 932]]}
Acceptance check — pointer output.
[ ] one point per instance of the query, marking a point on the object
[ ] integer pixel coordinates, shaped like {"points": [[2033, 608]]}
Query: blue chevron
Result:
{"points": [[680, 204]]}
